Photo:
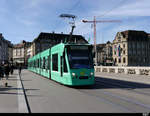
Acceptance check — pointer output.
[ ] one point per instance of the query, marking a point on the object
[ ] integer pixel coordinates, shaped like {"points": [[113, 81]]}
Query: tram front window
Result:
{"points": [[79, 57]]}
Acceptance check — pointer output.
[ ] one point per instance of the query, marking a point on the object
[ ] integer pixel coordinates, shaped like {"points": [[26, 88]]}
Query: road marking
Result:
{"points": [[22, 106]]}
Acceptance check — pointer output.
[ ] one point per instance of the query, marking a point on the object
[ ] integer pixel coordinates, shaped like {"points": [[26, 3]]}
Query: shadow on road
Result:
{"points": [[107, 83]]}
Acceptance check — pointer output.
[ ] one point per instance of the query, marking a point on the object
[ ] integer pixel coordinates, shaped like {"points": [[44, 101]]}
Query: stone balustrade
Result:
{"points": [[123, 70]]}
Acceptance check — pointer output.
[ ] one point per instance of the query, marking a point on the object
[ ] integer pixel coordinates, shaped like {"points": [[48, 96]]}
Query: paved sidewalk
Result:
{"points": [[12, 97], [8, 95]]}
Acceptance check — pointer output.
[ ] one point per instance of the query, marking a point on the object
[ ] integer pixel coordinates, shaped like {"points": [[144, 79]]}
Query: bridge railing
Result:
{"points": [[123, 70]]}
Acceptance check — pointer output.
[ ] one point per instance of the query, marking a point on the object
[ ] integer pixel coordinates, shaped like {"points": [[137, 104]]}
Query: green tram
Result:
{"points": [[68, 64]]}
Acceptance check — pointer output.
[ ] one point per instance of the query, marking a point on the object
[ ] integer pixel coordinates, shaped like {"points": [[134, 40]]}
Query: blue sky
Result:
{"points": [[25, 19]]}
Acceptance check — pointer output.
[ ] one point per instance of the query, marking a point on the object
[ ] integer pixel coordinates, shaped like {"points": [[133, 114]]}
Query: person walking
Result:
{"points": [[11, 69], [6, 72], [20, 68], [1, 72]]}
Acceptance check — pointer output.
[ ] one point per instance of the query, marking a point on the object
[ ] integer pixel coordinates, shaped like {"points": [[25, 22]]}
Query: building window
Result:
{"points": [[124, 52], [119, 38], [124, 60], [124, 45], [16, 52], [115, 61], [20, 52], [119, 60], [131, 60]]}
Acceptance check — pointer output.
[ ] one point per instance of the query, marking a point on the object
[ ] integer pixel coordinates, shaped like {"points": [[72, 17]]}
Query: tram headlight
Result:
{"points": [[91, 73], [73, 74]]}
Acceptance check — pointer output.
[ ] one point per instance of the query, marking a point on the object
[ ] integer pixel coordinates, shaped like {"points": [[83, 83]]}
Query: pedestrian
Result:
{"points": [[1, 72], [6, 72], [12, 69], [20, 69]]}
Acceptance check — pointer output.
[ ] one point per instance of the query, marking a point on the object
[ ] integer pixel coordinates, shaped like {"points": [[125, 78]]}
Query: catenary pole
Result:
{"points": [[94, 23]]}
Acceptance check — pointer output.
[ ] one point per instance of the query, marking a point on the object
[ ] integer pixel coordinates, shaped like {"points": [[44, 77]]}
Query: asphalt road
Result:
{"points": [[112, 93]]}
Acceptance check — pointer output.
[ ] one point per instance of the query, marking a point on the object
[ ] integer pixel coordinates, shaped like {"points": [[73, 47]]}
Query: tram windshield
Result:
{"points": [[80, 57]]}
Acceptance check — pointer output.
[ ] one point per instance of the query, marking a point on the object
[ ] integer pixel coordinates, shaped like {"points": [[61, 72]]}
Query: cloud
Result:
{"points": [[131, 23], [34, 16], [129, 8]]}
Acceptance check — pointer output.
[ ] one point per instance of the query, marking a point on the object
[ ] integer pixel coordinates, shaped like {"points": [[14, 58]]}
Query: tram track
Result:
{"points": [[106, 100], [124, 102], [138, 103]]}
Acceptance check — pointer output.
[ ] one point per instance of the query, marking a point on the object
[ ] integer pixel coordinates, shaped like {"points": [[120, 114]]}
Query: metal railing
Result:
{"points": [[123, 70]]}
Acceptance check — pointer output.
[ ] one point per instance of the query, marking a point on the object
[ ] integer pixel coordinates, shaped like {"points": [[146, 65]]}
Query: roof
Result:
{"points": [[22, 44], [58, 36], [133, 33], [19, 45]]}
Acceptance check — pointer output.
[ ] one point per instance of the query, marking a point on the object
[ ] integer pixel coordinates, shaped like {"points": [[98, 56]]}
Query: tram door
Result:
{"points": [[49, 66], [61, 66]]}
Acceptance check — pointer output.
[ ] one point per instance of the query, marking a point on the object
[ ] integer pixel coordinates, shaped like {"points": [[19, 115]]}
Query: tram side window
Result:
{"points": [[46, 60], [38, 63], [55, 62], [65, 65], [48, 65], [44, 63], [34, 63]]}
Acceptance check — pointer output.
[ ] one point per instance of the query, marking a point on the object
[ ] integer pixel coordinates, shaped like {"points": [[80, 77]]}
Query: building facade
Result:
{"points": [[5, 49], [19, 54], [131, 48], [27, 52], [104, 54], [10, 53], [100, 54], [47, 40]]}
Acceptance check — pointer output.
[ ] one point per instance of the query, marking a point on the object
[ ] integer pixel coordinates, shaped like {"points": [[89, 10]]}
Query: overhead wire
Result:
{"points": [[71, 9], [115, 7]]}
